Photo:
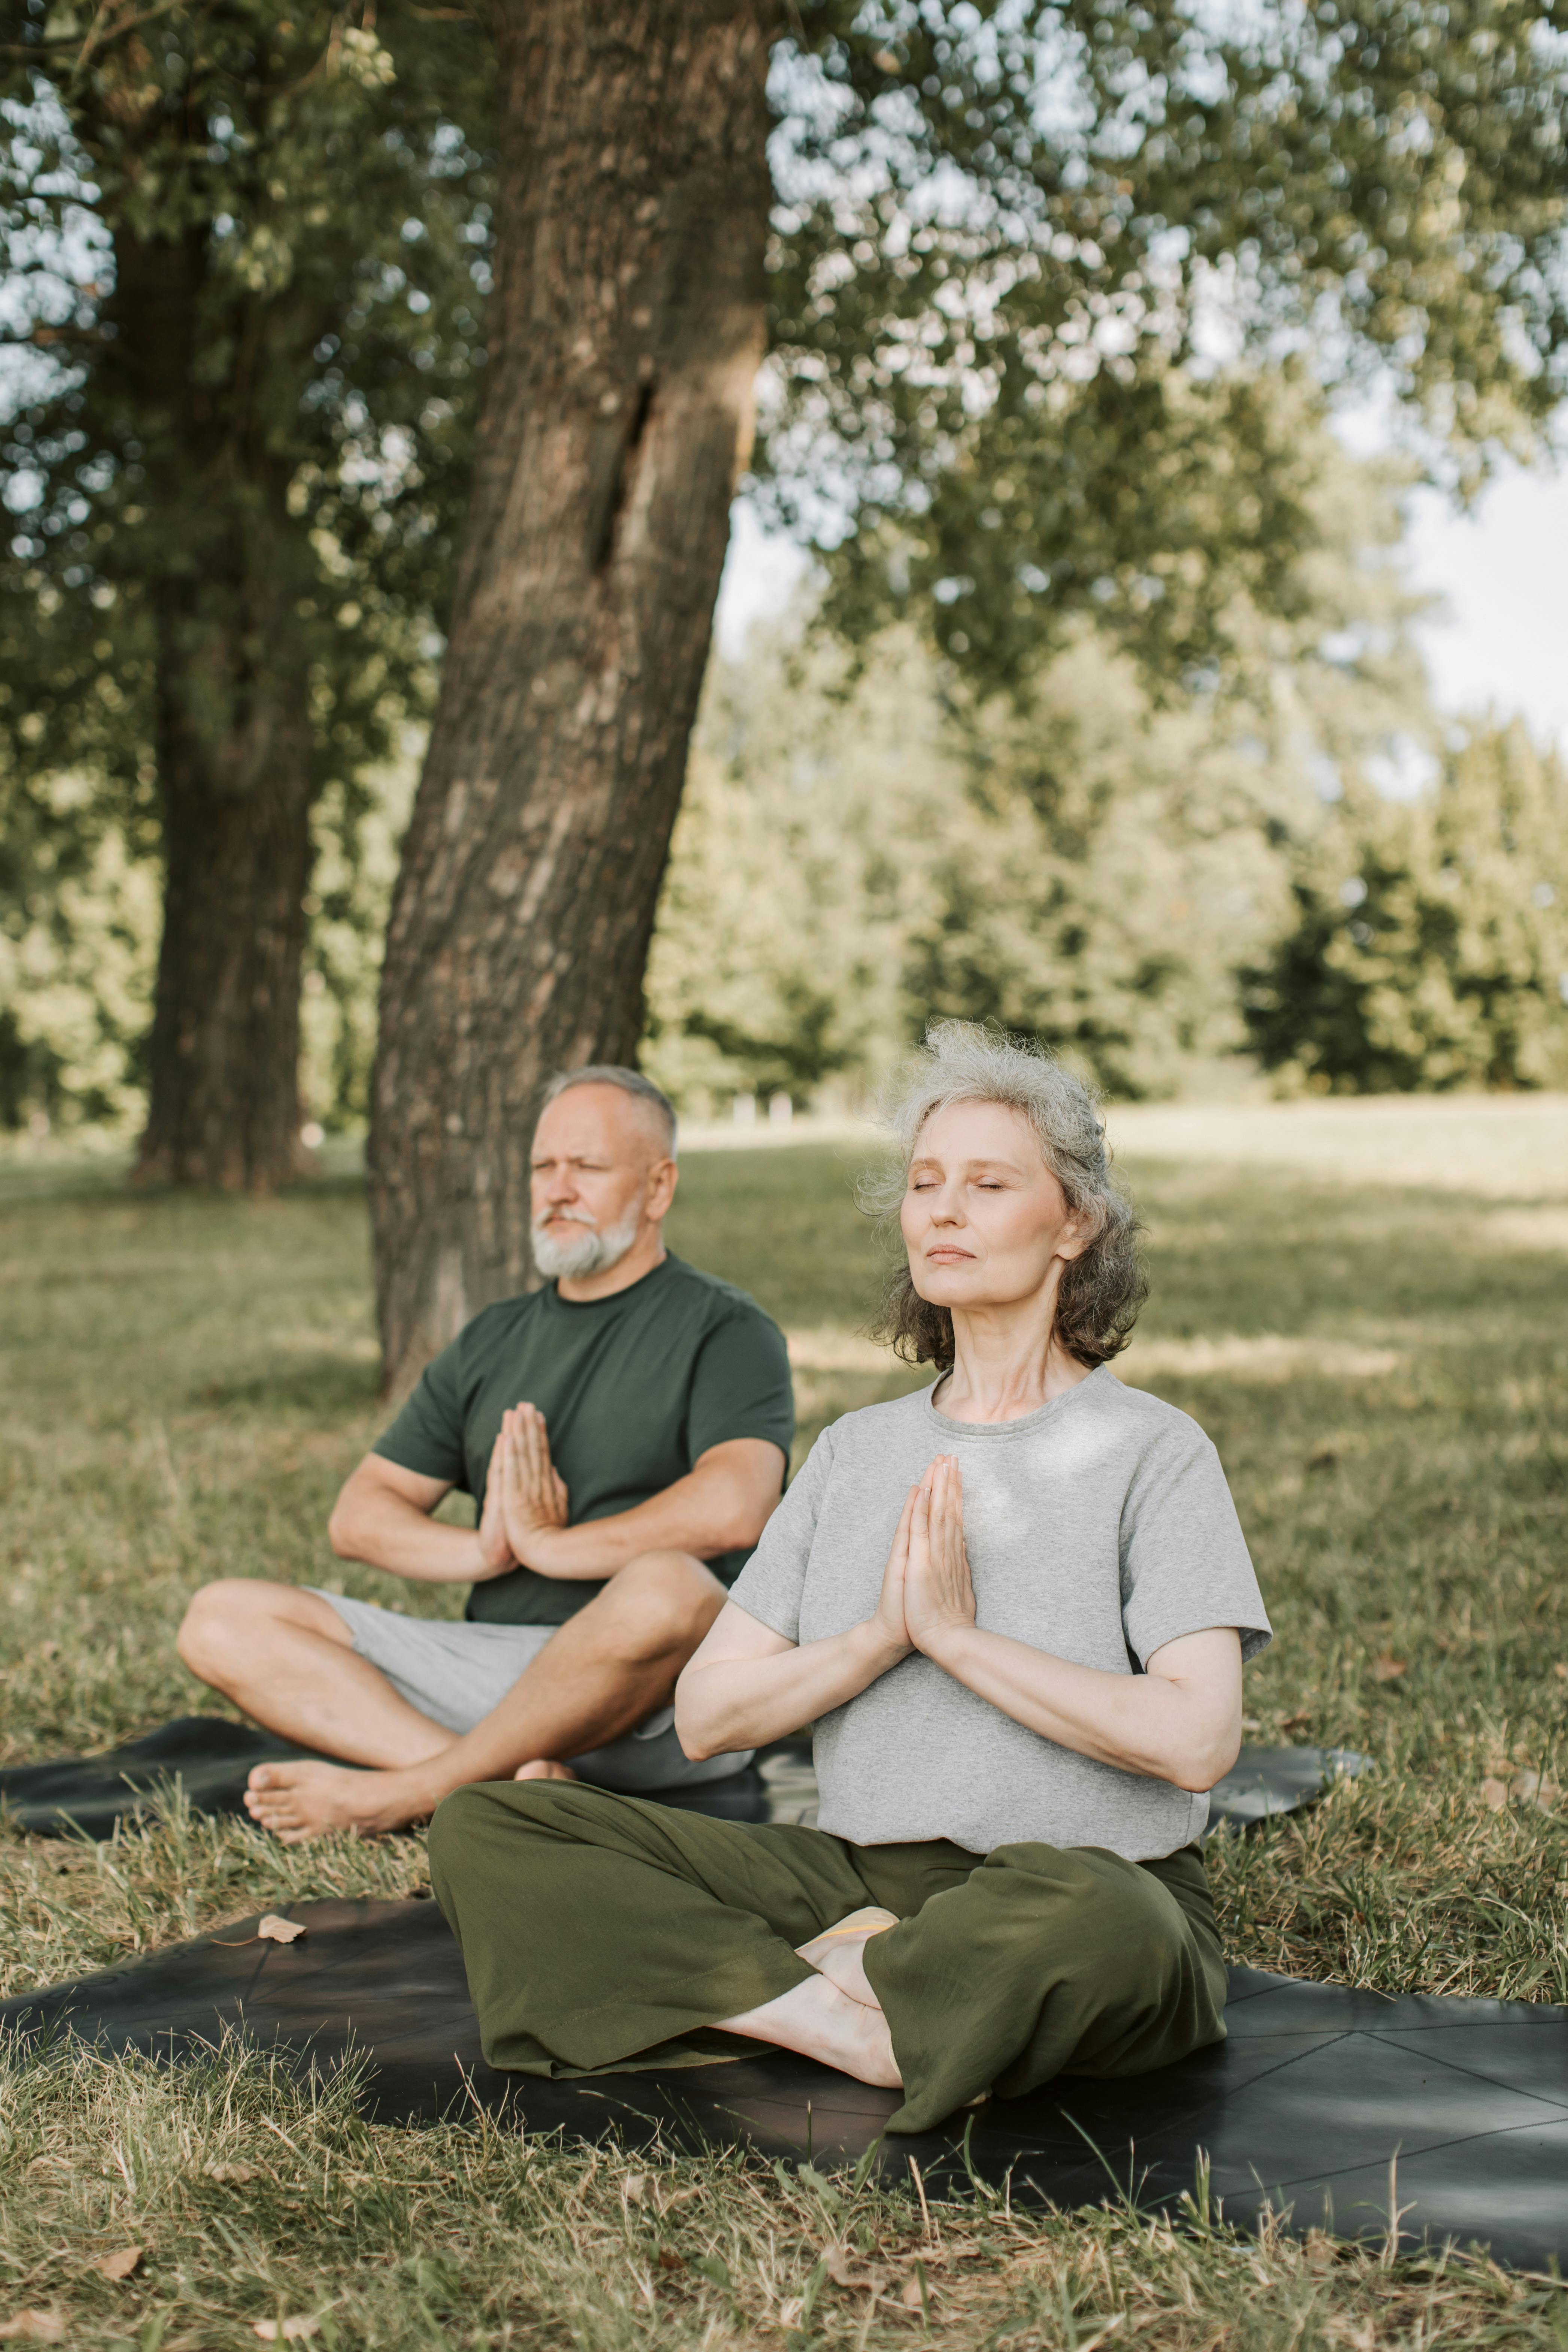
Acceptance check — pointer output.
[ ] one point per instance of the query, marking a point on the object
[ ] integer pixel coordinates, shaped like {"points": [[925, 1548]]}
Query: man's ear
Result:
{"points": [[663, 1178]]}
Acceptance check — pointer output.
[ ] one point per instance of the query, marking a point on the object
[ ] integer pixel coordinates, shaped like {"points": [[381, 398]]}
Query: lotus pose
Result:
{"points": [[623, 1431], [1014, 1605]]}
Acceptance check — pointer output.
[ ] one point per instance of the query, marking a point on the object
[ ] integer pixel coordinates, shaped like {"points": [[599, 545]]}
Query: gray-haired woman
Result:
{"points": [[1015, 1606]]}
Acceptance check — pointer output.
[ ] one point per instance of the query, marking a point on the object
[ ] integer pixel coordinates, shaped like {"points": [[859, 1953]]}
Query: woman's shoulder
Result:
{"points": [[1147, 1420], [871, 1426]]}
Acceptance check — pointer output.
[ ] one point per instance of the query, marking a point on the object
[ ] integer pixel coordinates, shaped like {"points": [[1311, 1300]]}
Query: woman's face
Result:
{"points": [[983, 1219]]}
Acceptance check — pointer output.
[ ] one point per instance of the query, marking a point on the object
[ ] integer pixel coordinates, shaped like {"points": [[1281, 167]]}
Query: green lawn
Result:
{"points": [[1383, 1366]]}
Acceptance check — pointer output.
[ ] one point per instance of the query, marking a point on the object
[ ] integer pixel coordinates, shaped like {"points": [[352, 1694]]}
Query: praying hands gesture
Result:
{"points": [[525, 1496], [926, 1586]]}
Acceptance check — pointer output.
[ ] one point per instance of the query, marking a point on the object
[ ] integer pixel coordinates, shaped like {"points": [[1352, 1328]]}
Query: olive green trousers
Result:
{"points": [[601, 1933]]}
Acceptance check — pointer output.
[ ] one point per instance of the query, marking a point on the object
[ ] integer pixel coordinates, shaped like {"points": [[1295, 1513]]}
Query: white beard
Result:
{"points": [[588, 1252]]}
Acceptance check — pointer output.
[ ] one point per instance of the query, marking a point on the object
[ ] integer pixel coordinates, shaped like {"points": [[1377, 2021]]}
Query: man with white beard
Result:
{"points": [[624, 1432]]}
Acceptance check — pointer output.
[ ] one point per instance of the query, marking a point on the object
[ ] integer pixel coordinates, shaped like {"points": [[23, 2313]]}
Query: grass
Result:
{"points": [[1384, 1365]]}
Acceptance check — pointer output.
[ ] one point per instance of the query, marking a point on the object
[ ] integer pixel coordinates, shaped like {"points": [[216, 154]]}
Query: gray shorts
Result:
{"points": [[456, 1674]]}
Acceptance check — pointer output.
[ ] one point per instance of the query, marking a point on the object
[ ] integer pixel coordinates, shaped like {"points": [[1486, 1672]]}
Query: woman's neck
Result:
{"points": [[1006, 1362]]}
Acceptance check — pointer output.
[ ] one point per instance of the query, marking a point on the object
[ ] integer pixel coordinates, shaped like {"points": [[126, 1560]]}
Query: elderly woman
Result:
{"points": [[1014, 1605]]}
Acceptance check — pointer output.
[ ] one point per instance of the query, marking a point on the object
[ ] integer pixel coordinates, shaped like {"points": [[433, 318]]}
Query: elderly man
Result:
{"points": [[624, 1432]]}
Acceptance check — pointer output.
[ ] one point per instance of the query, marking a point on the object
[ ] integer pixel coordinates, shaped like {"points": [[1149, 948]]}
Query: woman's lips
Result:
{"points": [[949, 1257]]}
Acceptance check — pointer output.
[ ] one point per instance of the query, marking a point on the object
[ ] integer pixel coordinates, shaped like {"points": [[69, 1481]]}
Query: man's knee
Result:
{"points": [[659, 1603], [222, 1620]]}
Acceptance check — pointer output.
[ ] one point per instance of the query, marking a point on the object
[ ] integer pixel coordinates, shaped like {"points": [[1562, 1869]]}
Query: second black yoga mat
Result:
{"points": [[1322, 2102]]}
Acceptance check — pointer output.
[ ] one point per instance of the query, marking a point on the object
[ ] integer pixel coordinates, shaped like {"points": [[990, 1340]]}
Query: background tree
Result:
{"points": [[855, 853], [245, 245], [1000, 235], [1430, 944]]}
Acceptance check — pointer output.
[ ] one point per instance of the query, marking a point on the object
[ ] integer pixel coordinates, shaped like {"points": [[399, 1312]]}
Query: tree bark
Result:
{"points": [[223, 1058], [235, 751], [628, 330]]}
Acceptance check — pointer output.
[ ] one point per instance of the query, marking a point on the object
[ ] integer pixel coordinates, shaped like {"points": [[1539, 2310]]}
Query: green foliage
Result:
{"points": [[858, 851], [312, 222], [1430, 944], [246, 254], [1011, 239]]}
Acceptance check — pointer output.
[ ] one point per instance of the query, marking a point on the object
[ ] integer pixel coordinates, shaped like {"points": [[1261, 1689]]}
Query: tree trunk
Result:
{"points": [[235, 751], [223, 1093], [628, 330]]}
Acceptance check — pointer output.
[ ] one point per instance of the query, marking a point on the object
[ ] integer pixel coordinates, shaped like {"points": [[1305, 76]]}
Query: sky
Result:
{"points": [[1499, 634]]}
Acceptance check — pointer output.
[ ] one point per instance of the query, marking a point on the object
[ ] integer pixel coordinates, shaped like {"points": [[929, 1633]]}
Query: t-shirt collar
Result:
{"points": [[1024, 1426]]}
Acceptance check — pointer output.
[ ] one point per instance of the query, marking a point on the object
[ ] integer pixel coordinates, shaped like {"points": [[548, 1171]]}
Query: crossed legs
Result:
{"points": [[287, 1658]]}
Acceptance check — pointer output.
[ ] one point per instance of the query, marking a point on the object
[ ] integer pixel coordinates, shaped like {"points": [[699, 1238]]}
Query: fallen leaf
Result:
{"points": [[909, 2294], [836, 2261], [635, 2188], [35, 2327], [1388, 1670], [1536, 1789], [298, 2330], [235, 2172], [1494, 1793], [669, 2261], [790, 2311], [274, 1930], [119, 2265]]}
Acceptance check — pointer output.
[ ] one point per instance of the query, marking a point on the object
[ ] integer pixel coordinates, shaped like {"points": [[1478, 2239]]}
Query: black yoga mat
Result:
{"points": [[1316, 2094], [211, 1758]]}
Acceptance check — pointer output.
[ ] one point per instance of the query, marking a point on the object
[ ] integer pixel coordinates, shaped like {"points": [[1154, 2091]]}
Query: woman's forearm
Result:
{"points": [[729, 1703], [1166, 1729]]}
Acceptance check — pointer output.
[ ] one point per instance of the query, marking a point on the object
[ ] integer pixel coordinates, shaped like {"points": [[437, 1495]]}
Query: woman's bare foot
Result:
{"points": [[839, 1951], [817, 2019], [297, 1802], [544, 1768]]}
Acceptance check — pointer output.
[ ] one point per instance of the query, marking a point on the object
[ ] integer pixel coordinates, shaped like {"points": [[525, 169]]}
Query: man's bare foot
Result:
{"points": [[297, 1802], [838, 1953], [544, 1768], [817, 2019]]}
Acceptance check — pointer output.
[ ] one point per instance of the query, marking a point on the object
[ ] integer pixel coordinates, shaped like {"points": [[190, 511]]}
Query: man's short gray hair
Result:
{"points": [[1101, 1291], [630, 1082]]}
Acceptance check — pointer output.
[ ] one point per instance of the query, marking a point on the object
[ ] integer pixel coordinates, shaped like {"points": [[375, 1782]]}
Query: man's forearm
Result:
{"points": [[1140, 1723], [696, 1515], [387, 1533]]}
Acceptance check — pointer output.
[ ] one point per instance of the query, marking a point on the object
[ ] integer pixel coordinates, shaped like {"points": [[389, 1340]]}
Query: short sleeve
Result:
{"points": [[1185, 1561], [428, 1434], [741, 1385], [770, 1586]]}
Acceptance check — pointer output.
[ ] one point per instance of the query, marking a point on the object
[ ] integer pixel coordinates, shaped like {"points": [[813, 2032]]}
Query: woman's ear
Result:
{"points": [[1075, 1236]]}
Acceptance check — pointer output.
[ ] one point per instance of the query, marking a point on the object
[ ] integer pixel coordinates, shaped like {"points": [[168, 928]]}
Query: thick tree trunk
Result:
{"points": [[628, 330], [235, 751], [235, 762]]}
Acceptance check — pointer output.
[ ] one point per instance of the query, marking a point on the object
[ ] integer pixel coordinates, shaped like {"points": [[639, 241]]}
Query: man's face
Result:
{"points": [[598, 1155]]}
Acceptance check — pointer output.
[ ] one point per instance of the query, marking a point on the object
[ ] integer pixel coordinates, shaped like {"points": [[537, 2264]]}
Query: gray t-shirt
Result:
{"points": [[1097, 1528]]}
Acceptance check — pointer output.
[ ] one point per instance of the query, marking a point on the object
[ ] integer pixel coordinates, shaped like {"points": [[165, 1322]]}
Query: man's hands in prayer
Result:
{"points": [[938, 1596], [533, 1500], [496, 1555]]}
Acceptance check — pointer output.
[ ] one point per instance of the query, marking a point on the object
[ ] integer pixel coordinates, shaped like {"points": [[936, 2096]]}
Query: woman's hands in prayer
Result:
{"points": [[926, 1587], [938, 1596]]}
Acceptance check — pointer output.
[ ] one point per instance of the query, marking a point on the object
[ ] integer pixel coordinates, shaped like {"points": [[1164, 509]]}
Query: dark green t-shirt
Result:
{"points": [[633, 1388]]}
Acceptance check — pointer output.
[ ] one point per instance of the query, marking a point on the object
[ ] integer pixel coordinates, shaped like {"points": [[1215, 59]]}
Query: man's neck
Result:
{"points": [[646, 1251]]}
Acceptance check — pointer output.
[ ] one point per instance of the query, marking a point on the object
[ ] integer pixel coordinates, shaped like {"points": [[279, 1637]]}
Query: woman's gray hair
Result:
{"points": [[1101, 1291]]}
